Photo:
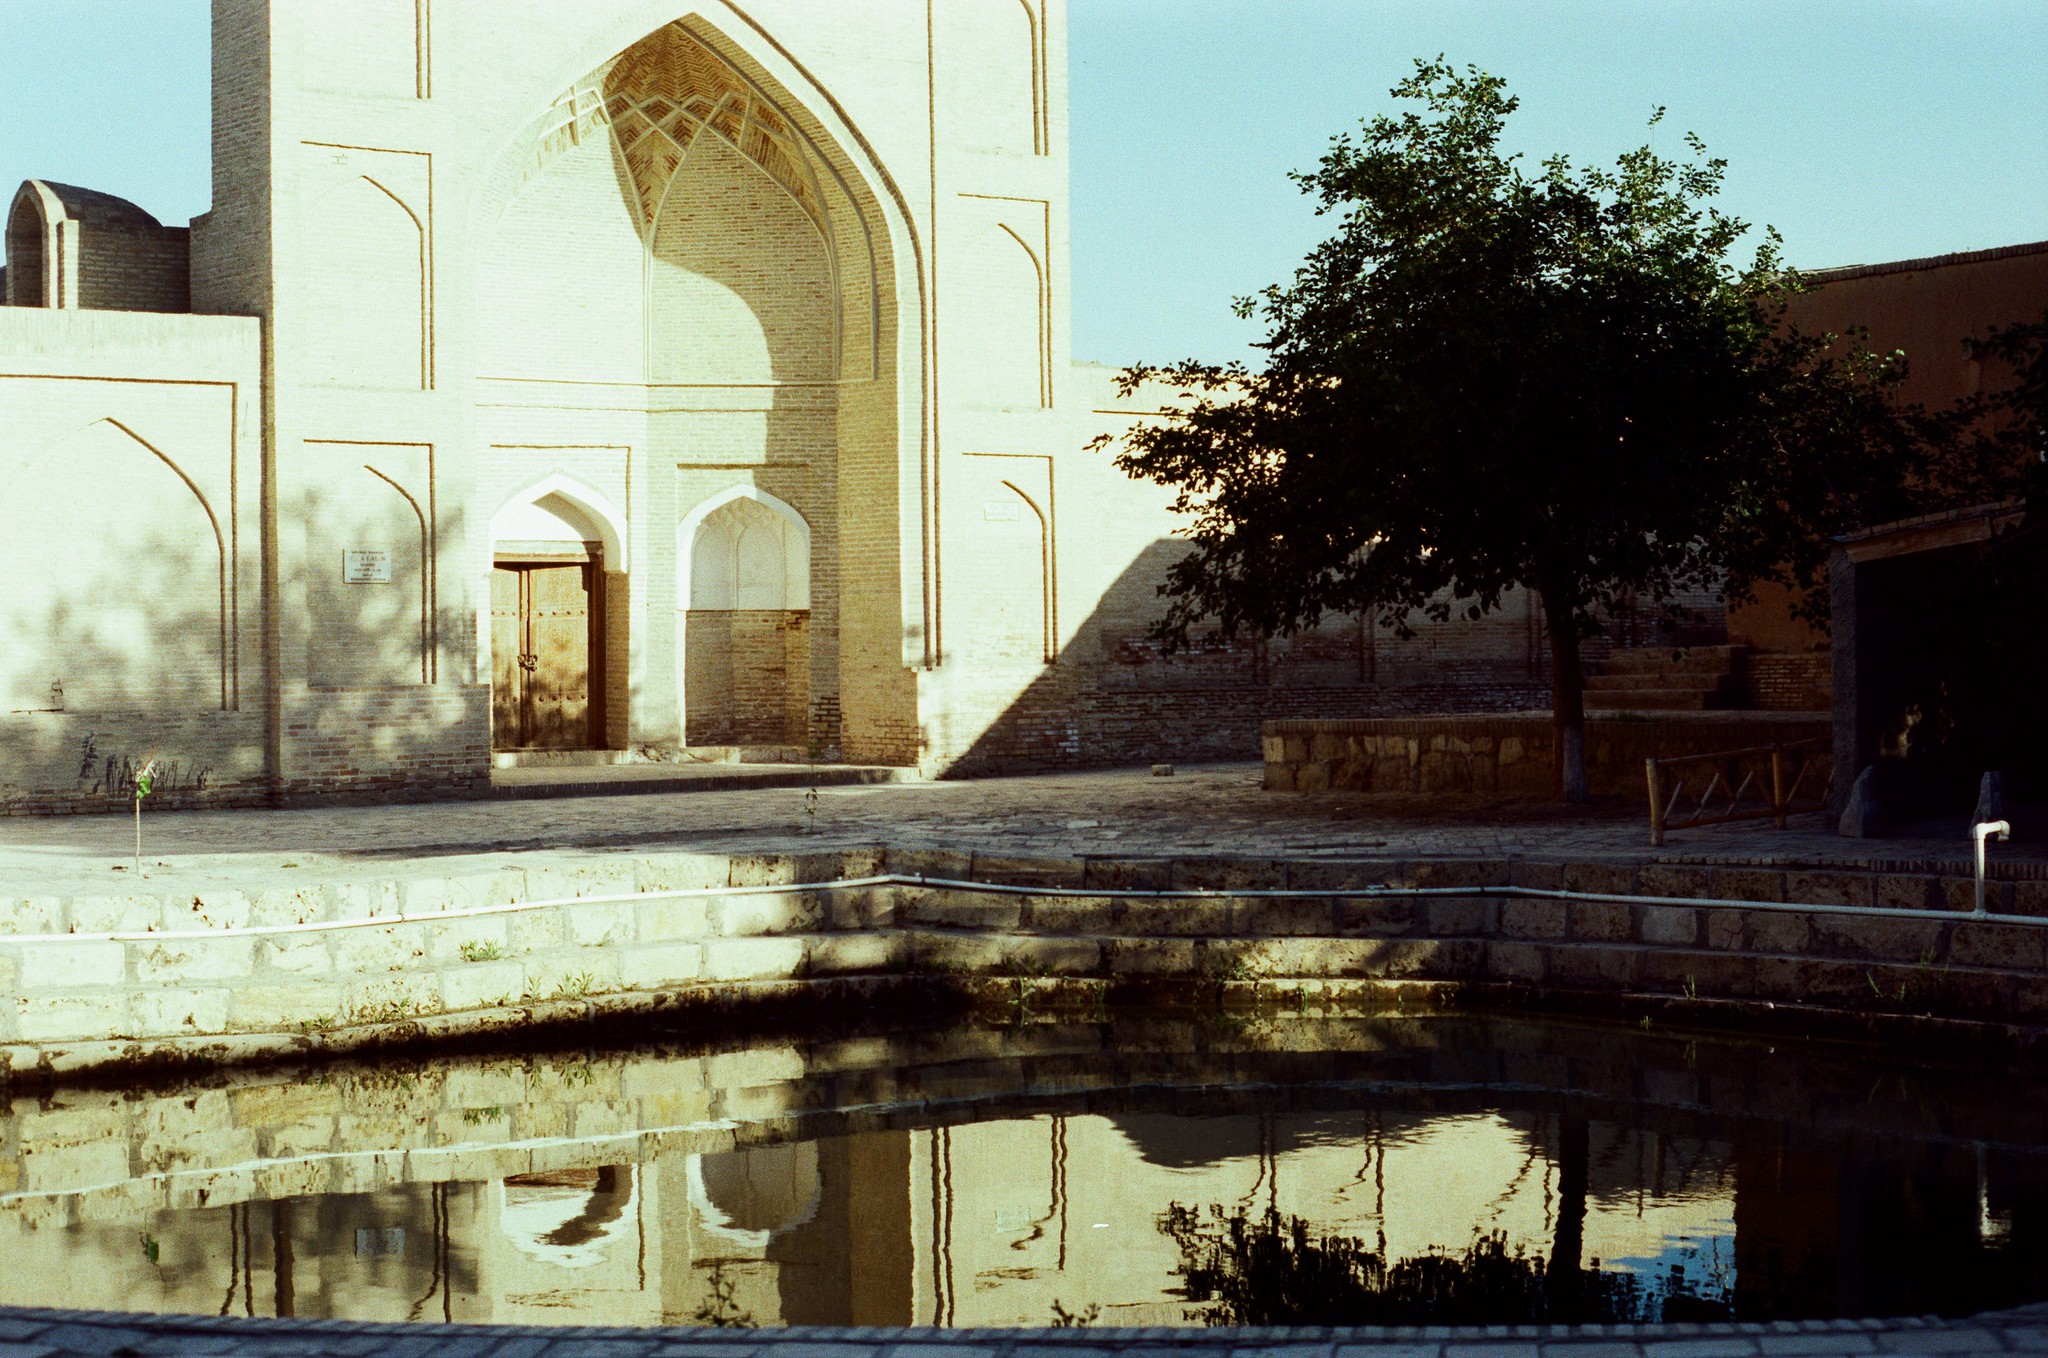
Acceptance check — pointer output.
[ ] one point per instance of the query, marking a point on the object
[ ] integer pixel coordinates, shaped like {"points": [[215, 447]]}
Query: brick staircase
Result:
{"points": [[1667, 679]]}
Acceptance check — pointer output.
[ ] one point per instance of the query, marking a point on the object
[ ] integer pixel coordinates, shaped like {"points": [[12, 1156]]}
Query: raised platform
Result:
{"points": [[684, 758], [1505, 756]]}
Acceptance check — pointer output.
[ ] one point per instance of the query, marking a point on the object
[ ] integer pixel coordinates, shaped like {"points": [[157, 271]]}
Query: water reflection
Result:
{"points": [[1387, 1171]]}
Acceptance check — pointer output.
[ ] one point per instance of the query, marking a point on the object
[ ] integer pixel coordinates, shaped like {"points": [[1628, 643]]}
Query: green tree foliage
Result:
{"points": [[1243, 1269], [1490, 378]]}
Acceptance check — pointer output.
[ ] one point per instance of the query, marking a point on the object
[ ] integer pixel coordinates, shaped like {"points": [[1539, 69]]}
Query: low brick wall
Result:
{"points": [[1502, 756], [62, 762], [107, 982]]}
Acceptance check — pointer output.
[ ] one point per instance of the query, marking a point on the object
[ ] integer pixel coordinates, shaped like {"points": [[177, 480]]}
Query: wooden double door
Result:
{"points": [[547, 655]]}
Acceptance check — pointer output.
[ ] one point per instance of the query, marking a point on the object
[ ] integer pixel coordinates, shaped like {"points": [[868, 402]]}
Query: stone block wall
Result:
{"points": [[94, 981], [1501, 757]]}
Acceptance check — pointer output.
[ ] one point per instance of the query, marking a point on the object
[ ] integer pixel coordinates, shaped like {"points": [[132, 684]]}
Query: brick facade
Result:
{"points": [[816, 261]]}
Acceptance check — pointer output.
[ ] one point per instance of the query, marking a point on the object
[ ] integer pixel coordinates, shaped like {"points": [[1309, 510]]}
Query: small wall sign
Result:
{"points": [[1001, 511], [365, 566]]}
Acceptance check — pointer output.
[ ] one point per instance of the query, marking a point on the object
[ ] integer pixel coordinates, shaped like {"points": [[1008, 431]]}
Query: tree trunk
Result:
{"points": [[1567, 703], [1561, 1280]]}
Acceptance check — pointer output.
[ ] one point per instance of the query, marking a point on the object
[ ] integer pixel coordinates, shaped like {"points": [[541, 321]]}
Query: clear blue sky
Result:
{"points": [[1864, 130]]}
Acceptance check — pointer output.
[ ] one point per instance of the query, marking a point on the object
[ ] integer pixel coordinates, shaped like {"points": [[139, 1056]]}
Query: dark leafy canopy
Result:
{"points": [[1489, 378]]}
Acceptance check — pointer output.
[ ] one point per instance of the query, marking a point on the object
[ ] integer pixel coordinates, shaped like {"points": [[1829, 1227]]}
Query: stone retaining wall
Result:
{"points": [[108, 982], [1503, 756]]}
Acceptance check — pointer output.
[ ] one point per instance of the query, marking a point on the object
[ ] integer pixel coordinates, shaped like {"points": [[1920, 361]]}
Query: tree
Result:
{"points": [[1489, 378]]}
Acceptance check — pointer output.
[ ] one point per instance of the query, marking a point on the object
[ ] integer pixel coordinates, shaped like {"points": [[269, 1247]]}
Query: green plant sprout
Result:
{"points": [[143, 776]]}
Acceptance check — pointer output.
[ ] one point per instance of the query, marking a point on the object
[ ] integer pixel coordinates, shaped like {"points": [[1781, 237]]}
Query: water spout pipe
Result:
{"points": [[1981, 831]]}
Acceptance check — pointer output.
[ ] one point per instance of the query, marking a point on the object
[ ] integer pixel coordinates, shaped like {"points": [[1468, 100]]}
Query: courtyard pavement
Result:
{"points": [[1216, 810], [58, 1334]]}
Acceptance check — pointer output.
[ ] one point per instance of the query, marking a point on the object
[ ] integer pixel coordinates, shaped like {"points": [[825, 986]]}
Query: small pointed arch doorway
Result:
{"points": [[557, 624], [745, 561]]}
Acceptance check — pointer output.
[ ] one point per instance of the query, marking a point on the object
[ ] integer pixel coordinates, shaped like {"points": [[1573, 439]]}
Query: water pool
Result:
{"points": [[1147, 1172]]}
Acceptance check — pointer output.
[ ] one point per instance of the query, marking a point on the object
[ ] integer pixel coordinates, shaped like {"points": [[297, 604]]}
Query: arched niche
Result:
{"points": [[570, 1218], [640, 119], [749, 551], [1000, 320], [562, 509], [27, 231], [740, 280], [744, 561], [1005, 555], [560, 620], [115, 580], [367, 323], [990, 75]]}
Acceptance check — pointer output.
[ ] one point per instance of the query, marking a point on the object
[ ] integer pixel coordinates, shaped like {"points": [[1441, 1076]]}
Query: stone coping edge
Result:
{"points": [[756, 1008]]}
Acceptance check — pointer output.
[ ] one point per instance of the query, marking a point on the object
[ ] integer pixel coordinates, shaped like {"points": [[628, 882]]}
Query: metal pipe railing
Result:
{"points": [[1377, 891]]}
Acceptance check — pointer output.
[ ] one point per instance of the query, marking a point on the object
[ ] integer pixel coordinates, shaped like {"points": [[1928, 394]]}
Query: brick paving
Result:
{"points": [[62, 1334], [1212, 810]]}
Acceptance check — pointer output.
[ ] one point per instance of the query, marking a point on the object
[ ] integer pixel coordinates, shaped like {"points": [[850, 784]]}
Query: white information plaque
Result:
{"points": [[365, 566]]}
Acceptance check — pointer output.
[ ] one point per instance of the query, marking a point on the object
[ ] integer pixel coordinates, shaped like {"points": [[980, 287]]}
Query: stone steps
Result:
{"points": [[1652, 700], [694, 754], [1672, 659], [1667, 679]]}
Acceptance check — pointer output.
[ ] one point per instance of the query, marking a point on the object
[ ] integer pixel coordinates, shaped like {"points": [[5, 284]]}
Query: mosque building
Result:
{"points": [[628, 378]]}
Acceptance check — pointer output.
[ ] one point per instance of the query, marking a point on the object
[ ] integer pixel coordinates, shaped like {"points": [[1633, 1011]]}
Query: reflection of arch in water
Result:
{"points": [[751, 1196], [569, 1218]]}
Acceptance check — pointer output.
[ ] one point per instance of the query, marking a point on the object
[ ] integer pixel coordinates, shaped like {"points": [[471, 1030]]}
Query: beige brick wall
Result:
{"points": [[821, 254], [130, 552], [748, 681], [138, 270]]}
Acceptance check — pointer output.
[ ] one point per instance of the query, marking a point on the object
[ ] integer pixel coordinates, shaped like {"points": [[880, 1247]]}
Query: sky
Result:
{"points": [[1864, 130]]}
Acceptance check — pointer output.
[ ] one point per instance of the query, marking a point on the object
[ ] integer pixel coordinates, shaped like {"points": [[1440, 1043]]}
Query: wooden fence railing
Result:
{"points": [[1764, 782]]}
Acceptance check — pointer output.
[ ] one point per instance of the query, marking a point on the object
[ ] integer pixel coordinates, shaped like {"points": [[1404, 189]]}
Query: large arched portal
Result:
{"points": [[688, 291]]}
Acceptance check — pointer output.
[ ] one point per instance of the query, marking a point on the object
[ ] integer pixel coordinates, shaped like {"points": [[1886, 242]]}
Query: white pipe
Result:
{"points": [[1981, 831], [1376, 892], [1501, 892]]}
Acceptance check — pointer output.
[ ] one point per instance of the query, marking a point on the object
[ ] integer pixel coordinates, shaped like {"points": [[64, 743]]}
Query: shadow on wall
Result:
{"points": [[131, 632], [1113, 695], [391, 704], [128, 629]]}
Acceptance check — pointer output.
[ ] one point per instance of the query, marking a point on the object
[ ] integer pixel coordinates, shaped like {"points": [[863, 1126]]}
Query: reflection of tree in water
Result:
{"points": [[1240, 1268]]}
